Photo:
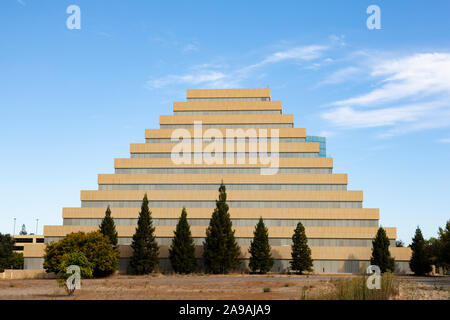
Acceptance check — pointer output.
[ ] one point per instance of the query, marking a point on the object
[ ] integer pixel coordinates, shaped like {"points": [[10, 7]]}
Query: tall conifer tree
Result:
{"points": [[144, 259], [380, 252], [260, 256], [182, 250], [301, 253], [420, 262], [444, 246], [108, 227], [220, 249]]}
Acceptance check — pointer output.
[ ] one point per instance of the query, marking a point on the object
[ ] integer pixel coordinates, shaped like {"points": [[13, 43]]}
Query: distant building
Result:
{"points": [[31, 246]]}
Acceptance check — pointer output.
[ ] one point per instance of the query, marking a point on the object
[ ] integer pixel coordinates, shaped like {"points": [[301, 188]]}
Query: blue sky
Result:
{"points": [[73, 100]]}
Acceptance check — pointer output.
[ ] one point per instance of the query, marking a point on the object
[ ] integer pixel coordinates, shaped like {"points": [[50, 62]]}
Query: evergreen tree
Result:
{"points": [[380, 252], [420, 262], [220, 249], [108, 227], [8, 258], [432, 248], [399, 243], [444, 246], [145, 248], [260, 256], [301, 253], [182, 250], [23, 232]]}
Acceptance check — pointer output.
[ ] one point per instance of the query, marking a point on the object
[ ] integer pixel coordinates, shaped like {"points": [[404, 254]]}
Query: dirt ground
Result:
{"points": [[199, 287]]}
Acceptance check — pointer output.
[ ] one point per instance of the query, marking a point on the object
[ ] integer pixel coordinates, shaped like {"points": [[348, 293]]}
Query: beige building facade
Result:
{"points": [[303, 188]]}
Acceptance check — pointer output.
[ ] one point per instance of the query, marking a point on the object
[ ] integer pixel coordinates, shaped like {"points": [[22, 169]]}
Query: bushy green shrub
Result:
{"points": [[97, 248], [78, 259]]}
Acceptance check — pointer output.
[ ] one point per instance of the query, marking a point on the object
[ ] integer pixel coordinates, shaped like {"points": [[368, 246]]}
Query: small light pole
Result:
{"points": [[37, 223], [14, 231]]}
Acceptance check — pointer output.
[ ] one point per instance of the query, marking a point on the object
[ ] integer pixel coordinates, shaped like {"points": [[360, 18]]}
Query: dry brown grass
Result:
{"points": [[200, 287]]}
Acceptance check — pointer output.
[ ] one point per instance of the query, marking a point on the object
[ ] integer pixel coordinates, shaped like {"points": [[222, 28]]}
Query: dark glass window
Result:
{"points": [[24, 240]]}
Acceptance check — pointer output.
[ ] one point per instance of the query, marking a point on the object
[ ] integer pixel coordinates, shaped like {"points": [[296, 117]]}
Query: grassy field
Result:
{"points": [[234, 286]]}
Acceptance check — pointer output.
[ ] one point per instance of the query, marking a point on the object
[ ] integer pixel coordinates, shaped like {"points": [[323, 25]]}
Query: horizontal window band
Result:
{"points": [[312, 242], [225, 155], [216, 186], [231, 125], [236, 213], [231, 204], [192, 112], [236, 222], [269, 140], [218, 170], [229, 99]]}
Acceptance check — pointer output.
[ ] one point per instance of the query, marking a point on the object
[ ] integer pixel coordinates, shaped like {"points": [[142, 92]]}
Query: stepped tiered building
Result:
{"points": [[300, 186]]}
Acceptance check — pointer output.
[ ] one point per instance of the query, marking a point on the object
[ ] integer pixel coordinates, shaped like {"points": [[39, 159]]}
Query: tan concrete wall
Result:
{"points": [[289, 178], [227, 119], [9, 274], [227, 105], [168, 163], [32, 250], [235, 147], [282, 132], [228, 93]]}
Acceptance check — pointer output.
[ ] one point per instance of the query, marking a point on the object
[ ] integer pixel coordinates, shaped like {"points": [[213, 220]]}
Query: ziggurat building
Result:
{"points": [[339, 229]]}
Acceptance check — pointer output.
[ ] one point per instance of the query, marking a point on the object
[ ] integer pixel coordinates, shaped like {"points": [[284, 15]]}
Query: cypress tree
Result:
{"points": [[182, 250], [220, 249], [145, 248], [108, 227], [380, 252], [260, 256], [301, 253], [420, 262], [443, 245]]}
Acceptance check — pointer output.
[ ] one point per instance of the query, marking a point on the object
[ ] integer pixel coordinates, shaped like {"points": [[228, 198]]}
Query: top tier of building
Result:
{"points": [[216, 101], [225, 94]]}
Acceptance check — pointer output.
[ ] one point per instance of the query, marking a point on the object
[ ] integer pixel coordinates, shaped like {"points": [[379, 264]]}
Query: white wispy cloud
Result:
{"points": [[299, 53], [190, 47], [104, 34], [411, 94], [444, 140], [409, 77], [21, 2], [326, 133], [215, 76], [202, 77], [340, 76], [353, 118]]}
